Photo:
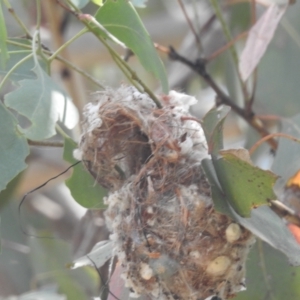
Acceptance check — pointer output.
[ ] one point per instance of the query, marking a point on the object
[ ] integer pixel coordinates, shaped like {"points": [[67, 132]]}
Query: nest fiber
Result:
{"points": [[170, 241]]}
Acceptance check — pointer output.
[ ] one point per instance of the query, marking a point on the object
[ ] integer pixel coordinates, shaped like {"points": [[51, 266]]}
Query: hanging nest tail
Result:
{"points": [[170, 241]]}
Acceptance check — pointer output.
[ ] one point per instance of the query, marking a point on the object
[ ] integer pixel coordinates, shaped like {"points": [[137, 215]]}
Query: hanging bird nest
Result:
{"points": [[170, 241]]}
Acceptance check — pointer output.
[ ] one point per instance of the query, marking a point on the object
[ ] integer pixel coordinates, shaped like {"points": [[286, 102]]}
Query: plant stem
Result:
{"points": [[199, 68], [69, 64], [86, 19], [124, 64], [45, 143], [61, 48], [38, 14], [80, 71], [16, 17], [18, 44], [217, 9], [61, 132], [20, 62]]}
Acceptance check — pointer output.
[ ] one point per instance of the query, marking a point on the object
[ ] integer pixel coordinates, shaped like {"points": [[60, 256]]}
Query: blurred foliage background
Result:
{"points": [[36, 265]]}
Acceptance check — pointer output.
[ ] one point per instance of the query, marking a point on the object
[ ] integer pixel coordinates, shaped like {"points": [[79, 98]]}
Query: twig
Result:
{"points": [[271, 136], [73, 86], [228, 45], [68, 63], [285, 212], [45, 143], [125, 68], [66, 44], [16, 17], [217, 9], [198, 42], [199, 67]]}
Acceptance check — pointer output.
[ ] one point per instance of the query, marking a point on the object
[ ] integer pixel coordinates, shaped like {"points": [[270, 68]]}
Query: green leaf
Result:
{"points": [[34, 100], [10, 190], [265, 224], [98, 2], [122, 21], [245, 185], [269, 276], [287, 159], [219, 198], [50, 257], [3, 36], [213, 123], [13, 148], [81, 184], [80, 3], [17, 53]]}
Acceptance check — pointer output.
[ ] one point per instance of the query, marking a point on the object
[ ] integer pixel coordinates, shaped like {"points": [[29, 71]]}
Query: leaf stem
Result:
{"points": [[69, 64], [19, 63], [86, 19], [16, 17], [61, 132], [45, 143], [18, 44], [38, 14], [75, 37], [124, 64], [80, 71]]}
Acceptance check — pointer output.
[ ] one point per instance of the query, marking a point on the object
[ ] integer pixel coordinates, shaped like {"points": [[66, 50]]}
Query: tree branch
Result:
{"points": [[199, 66]]}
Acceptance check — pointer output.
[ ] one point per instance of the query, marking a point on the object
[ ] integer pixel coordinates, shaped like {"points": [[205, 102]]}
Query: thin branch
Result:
{"points": [[86, 20], [199, 67], [80, 71], [16, 17], [198, 42], [68, 63], [217, 9], [66, 44], [271, 136], [227, 46], [45, 143]]}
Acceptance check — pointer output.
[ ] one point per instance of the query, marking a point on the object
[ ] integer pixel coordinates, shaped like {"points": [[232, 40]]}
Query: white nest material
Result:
{"points": [[170, 241]]}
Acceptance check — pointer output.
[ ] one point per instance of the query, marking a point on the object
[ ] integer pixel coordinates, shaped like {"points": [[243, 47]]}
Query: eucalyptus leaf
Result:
{"points": [[82, 185], [269, 276], [17, 54], [245, 185], [263, 222], [266, 225], [287, 159], [13, 148], [3, 36], [50, 256], [221, 204], [213, 123], [98, 2], [122, 21], [98, 256], [34, 100]]}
